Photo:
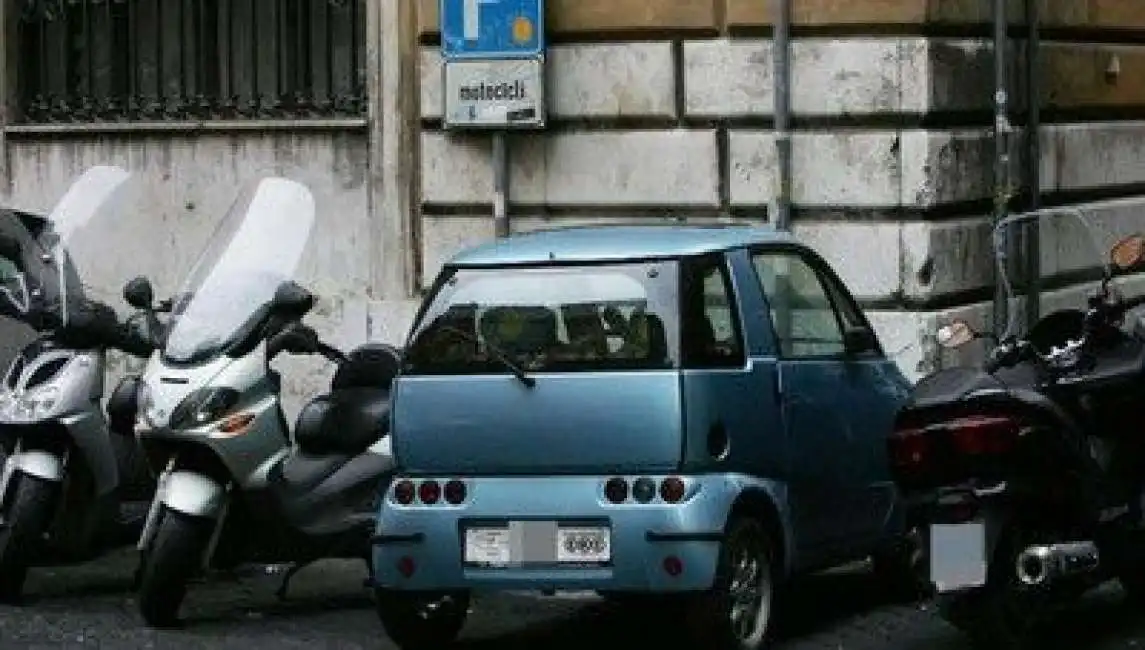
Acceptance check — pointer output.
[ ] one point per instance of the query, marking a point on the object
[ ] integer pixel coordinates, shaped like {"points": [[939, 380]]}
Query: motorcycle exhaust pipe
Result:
{"points": [[1043, 563]]}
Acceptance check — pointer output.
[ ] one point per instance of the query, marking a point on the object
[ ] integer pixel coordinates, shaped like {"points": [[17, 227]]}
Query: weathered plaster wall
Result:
{"points": [[665, 108], [184, 186], [659, 107]]}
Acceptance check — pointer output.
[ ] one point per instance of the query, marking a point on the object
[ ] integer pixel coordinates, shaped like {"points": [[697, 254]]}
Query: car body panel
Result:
{"points": [[803, 437]]}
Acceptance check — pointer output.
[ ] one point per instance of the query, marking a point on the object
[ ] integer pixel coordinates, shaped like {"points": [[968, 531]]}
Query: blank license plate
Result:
{"points": [[537, 542], [487, 546], [958, 556]]}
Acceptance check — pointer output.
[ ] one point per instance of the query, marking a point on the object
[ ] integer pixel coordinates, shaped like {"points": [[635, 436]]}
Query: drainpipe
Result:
{"points": [[1032, 252], [6, 92], [1001, 154], [500, 185], [781, 52]]}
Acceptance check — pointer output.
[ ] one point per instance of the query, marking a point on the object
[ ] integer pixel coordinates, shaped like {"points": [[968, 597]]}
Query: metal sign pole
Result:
{"points": [[494, 58]]}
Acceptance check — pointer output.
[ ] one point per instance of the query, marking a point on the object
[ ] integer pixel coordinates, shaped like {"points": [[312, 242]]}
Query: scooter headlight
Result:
{"points": [[203, 407], [33, 404]]}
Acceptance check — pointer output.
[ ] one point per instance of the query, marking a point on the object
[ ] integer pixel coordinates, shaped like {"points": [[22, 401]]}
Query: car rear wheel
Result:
{"points": [[737, 613], [420, 620]]}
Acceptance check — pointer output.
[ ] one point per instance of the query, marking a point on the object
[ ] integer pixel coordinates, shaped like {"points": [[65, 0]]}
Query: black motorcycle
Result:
{"points": [[1026, 474]]}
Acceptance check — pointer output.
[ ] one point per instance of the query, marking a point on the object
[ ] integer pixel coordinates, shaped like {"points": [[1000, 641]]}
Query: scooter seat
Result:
{"points": [[343, 422]]}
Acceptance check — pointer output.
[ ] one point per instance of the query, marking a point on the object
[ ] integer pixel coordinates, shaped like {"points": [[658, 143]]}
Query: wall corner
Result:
{"points": [[394, 163]]}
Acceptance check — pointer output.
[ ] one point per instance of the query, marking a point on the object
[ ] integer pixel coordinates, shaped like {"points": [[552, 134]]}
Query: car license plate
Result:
{"points": [[487, 546], [584, 545], [958, 556]]}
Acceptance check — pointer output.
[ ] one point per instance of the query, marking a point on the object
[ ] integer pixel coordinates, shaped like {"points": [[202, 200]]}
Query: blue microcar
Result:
{"points": [[679, 414]]}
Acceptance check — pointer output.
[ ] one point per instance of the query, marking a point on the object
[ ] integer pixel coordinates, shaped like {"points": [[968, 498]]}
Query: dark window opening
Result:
{"points": [[139, 60]]}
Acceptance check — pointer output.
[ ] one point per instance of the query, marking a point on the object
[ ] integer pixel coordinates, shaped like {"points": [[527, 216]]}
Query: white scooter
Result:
{"points": [[74, 484], [233, 487]]}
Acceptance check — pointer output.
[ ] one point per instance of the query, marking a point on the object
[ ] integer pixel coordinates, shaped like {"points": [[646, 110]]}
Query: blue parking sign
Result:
{"points": [[492, 29]]}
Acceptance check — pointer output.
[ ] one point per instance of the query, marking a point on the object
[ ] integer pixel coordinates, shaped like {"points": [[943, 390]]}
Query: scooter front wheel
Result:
{"points": [[25, 520], [171, 562]]}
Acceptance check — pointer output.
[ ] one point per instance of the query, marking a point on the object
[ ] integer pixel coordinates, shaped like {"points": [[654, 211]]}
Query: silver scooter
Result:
{"points": [[233, 487], [74, 484]]}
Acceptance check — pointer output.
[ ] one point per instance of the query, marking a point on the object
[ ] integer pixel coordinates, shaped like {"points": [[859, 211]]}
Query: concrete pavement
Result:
{"points": [[90, 606]]}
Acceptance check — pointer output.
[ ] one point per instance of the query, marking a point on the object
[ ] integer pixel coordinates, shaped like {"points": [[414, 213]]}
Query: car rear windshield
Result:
{"points": [[553, 318]]}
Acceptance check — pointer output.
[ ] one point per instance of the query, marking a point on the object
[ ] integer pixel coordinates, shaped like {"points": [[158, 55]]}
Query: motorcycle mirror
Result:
{"points": [[296, 338], [955, 334], [292, 299], [1128, 252], [138, 293]]}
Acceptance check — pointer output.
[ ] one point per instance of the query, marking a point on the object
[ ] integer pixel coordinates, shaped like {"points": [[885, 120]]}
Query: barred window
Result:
{"points": [[127, 60]]}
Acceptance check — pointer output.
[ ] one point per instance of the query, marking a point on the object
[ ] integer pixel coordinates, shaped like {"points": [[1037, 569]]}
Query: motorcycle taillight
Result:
{"points": [[909, 449], [984, 435]]}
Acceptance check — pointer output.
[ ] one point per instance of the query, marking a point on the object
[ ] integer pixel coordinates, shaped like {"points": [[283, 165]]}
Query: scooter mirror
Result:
{"points": [[292, 299], [954, 335], [1128, 252], [138, 293]]}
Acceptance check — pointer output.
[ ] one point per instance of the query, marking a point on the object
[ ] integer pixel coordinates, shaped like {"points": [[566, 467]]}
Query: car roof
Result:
{"points": [[616, 243]]}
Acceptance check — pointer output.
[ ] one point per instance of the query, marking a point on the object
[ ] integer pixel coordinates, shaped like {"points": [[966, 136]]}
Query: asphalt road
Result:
{"points": [[89, 606]]}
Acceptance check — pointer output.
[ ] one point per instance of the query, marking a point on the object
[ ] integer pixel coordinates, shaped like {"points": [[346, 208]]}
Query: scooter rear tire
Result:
{"points": [[171, 562], [28, 516]]}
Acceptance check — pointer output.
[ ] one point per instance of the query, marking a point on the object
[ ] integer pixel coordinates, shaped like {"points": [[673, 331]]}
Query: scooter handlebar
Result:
{"points": [[330, 352]]}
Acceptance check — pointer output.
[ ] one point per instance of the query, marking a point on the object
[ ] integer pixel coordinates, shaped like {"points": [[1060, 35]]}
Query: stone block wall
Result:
{"points": [[664, 108]]}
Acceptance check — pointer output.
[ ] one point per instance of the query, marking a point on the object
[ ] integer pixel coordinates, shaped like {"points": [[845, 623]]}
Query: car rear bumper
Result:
{"points": [[655, 547]]}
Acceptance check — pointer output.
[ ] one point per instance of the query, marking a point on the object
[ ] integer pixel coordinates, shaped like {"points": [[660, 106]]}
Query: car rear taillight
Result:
{"points": [[672, 490], [429, 492], [404, 492], [454, 492], [983, 435], [616, 490]]}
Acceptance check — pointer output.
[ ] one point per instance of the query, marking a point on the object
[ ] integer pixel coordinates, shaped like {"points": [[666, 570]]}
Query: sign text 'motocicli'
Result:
{"points": [[484, 92]]}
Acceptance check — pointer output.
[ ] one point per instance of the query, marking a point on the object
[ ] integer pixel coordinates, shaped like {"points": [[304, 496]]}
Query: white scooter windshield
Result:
{"points": [[51, 265], [258, 245]]}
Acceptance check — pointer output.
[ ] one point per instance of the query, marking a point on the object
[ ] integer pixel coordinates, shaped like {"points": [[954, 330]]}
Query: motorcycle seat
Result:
{"points": [[343, 422], [298, 475]]}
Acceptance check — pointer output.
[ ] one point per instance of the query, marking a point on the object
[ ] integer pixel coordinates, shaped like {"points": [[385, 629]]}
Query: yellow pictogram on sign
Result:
{"points": [[522, 30]]}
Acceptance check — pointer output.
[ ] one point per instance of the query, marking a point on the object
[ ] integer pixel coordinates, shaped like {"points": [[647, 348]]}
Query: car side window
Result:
{"points": [[802, 313], [711, 333]]}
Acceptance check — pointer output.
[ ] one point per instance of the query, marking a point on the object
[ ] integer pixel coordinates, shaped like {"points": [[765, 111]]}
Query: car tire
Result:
{"points": [[28, 516], [419, 620], [737, 614], [170, 563]]}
